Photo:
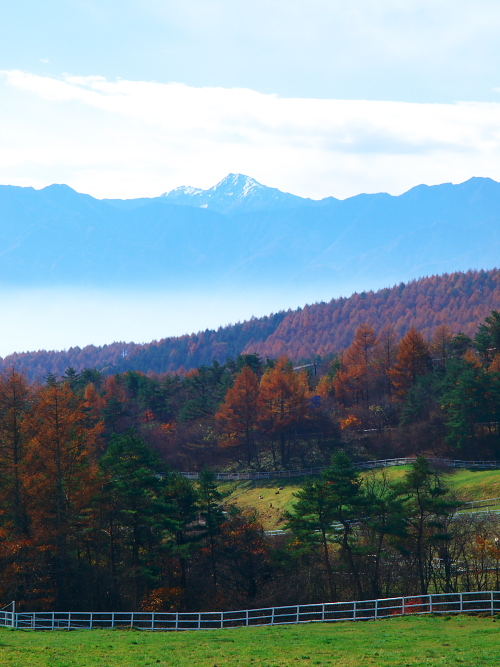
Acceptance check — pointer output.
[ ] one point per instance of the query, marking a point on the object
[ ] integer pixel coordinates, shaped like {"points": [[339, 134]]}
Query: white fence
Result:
{"points": [[382, 463], [445, 603]]}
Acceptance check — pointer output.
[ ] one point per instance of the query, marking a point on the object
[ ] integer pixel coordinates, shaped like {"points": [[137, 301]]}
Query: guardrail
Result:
{"points": [[382, 463], [440, 603], [473, 514]]}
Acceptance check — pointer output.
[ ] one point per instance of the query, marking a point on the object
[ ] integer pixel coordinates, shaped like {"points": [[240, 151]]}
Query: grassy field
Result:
{"points": [[399, 642], [262, 495]]}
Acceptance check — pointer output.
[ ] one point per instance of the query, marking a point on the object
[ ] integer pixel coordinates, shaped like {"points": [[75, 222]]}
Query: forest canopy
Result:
{"points": [[459, 300]]}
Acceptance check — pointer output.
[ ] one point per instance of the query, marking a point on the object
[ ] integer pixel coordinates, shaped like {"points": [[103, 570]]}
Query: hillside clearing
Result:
{"points": [[262, 495]]}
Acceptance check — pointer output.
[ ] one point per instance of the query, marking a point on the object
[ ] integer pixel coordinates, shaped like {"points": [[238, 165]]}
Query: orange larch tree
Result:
{"points": [[353, 383], [441, 344], [237, 416], [16, 552], [61, 476], [384, 358], [283, 404], [413, 360], [15, 397]]}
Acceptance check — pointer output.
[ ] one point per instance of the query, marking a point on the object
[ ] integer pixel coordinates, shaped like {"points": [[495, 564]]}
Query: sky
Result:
{"points": [[318, 98]]}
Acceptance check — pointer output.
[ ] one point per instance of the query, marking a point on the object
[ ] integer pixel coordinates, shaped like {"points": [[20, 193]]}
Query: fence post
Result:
{"points": [[153, 621], [376, 609], [297, 614], [272, 616], [112, 619], [323, 611], [246, 620], [69, 620], [177, 620], [403, 606], [221, 619], [492, 606], [91, 620], [14, 617], [354, 611], [132, 620], [53, 620], [461, 603], [430, 603]]}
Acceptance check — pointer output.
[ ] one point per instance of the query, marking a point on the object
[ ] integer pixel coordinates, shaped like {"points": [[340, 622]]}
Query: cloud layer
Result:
{"points": [[137, 138], [406, 50]]}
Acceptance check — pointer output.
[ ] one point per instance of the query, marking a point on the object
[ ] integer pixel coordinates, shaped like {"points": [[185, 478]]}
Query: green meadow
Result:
{"points": [[400, 642], [262, 494]]}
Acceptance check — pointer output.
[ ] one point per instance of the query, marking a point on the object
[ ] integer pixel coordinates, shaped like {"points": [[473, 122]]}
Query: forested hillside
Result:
{"points": [[95, 513], [459, 300]]}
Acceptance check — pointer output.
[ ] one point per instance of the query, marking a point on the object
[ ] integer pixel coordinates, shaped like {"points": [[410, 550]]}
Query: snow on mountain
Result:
{"points": [[234, 192]]}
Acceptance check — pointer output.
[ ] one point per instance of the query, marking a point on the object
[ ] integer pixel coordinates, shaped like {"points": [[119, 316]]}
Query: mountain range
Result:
{"points": [[243, 233]]}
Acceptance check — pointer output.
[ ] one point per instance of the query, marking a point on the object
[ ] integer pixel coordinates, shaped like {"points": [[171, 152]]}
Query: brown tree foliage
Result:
{"points": [[238, 414], [385, 356], [61, 474], [283, 403], [15, 397], [413, 360], [458, 300], [354, 382]]}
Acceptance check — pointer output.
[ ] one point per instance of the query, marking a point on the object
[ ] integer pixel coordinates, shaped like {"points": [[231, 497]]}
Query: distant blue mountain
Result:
{"points": [[243, 233], [235, 193]]}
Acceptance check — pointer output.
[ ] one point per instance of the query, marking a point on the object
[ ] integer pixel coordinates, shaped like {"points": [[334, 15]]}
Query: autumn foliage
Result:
{"points": [[96, 514], [457, 300]]}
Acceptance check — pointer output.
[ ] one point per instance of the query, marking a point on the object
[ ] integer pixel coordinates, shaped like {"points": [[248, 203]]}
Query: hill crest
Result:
{"points": [[459, 300]]}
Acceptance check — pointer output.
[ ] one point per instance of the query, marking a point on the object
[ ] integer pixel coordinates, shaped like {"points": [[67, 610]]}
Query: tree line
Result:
{"points": [[458, 300], [95, 514], [90, 525]]}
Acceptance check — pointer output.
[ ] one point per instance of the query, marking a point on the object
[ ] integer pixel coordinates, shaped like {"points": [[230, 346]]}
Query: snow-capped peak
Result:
{"points": [[182, 190], [235, 191], [236, 184]]}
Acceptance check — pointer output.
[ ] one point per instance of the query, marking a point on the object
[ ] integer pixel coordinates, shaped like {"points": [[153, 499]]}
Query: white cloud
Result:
{"points": [[137, 138]]}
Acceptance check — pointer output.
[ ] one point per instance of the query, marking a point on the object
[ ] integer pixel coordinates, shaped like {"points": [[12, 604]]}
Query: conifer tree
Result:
{"points": [[283, 403], [413, 361], [324, 514], [15, 400], [353, 383], [212, 514], [428, 503], [238, 414], [135, 512], [60, 475]]}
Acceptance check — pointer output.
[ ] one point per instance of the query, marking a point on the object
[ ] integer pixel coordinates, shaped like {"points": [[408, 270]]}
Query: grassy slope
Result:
{"points": [[469, 485], [435, 641]]}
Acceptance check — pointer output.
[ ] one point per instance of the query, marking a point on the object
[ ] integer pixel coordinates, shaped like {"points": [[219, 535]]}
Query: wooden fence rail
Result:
{"points": [[442, 603], [382, 463]]}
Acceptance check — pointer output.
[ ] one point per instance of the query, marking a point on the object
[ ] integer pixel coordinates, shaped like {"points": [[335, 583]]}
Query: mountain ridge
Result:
{"points": [[56, 236], [459, 300], [234, 192]]}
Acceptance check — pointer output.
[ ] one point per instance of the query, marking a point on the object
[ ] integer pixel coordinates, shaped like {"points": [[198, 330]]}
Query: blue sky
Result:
{"points": [[318, 98], [325, 97], [401, 50]]}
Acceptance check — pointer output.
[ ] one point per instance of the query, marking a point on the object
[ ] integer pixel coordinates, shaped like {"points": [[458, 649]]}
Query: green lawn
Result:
{"points": [[469, 485], [399, 642], [476, 484], [272, 505]]}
